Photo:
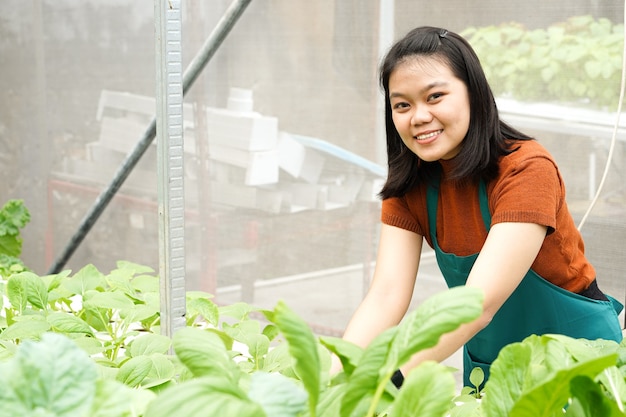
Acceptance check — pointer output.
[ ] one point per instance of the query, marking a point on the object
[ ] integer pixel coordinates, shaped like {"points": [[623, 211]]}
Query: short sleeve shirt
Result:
{"points": [[529, 188]]}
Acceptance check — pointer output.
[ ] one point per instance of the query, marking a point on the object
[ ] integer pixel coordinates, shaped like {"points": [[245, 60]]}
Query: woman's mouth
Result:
{"points": [[426, 136]]}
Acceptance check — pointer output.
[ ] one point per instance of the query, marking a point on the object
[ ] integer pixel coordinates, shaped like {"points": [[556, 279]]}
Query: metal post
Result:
{"points": [[386, 24], [169, 132]]}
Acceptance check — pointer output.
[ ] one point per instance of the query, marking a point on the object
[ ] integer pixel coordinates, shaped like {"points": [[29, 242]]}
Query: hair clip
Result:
{"points": [[443, 33]]}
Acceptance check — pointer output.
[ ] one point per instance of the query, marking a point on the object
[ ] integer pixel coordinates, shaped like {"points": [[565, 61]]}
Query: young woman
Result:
{"points": [[487, 198]]}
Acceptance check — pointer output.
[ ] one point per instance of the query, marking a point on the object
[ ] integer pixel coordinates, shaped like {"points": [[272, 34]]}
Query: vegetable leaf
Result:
{"points": [[52, 376], [436, 387], [279, 395], [211, 395], [302, 346]]}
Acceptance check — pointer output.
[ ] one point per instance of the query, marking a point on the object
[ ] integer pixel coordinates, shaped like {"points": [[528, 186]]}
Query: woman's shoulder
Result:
{"points": [[525, 150], [530, 162]]}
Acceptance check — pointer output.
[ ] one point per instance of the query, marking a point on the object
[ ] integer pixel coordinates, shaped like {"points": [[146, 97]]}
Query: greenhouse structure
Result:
{"points": [[237, 147]]}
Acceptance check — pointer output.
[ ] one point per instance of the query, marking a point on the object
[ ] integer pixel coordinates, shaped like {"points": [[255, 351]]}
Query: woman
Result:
{"points": [[487, 198]]}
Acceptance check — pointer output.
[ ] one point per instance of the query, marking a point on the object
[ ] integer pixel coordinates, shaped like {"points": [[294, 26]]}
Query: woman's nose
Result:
{"points": [[421, 115]]}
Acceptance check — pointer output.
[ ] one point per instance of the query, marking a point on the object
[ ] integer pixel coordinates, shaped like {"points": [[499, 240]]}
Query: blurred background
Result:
{"points": [[280, 201]]}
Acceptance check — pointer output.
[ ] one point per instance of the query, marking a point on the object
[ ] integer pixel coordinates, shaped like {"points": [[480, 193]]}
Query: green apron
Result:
{"points": [[535, 307]]}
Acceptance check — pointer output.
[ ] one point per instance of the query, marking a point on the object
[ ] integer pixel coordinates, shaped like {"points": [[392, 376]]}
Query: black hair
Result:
{"points": [[487, 139]]}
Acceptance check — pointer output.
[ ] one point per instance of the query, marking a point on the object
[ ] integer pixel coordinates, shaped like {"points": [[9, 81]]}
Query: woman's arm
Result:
{"points": [[504, 260], [390, 292]]}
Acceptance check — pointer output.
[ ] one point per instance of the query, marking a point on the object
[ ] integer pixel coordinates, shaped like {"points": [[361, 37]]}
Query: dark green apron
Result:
{"points": [[535, 307]]}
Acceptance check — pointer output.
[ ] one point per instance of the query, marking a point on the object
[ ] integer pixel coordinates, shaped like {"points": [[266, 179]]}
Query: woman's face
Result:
{"points": [[430, 108]]}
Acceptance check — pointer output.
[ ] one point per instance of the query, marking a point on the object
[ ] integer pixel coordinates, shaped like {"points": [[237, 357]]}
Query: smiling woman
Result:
{"points": [[487, 198]]}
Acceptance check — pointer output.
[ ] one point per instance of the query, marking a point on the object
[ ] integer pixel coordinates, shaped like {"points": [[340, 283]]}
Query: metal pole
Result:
{"points": [[211, 45], [170, 166], [386, 25]]}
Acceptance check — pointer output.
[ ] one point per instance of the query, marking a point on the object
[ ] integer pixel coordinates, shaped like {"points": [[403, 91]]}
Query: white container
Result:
{"points": [[261, 167], [299, 161], [239, 126]]}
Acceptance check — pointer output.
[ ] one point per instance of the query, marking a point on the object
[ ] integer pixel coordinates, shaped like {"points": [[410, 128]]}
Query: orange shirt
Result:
{"points": [[528, 189]]}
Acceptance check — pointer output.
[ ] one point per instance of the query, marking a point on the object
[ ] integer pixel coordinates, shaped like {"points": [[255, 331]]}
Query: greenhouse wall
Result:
{"points": [[290, 211]]}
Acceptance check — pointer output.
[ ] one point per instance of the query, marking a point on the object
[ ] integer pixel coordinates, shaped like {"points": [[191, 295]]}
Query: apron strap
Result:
{"points": [[432, 202]]}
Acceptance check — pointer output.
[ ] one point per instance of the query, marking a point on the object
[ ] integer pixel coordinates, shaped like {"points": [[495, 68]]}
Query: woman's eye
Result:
{"points": [[435, 96], [399, 106]]}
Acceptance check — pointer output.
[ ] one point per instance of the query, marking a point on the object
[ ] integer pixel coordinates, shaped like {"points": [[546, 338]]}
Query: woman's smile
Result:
{"points": [[426, 137]]}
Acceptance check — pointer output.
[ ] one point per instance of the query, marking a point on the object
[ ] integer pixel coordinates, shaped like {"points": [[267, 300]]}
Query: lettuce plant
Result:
{"points": [[55, 378], [14, 216], [293, 378], [88, 344], [230, 360], [99, 334], [577, 61]]}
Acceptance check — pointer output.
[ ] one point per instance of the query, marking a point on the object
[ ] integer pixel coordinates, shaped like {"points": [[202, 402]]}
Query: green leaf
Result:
{"points": [[89, 344], [258, 346], [213, 395], [226, 339], [10, 265], [146, 284], [238, 311], [149, 343], [193, 294], [120, 280], [7, 349], [329, 403], [427, 391], [203, 353], [108, 300], [17, 293], [348, 353], [532, 378], [13, 216], [139, 313], [134, 371], [28, 327], [277, 359], [62, 322], [112, 399], [466, 409], [239, 331], [366, 378], [302, 346], [88, 278], [508, 374], [131, 268], [271, 331], [477, 377], [37, 291], [163, 370], [53, 376], [11, 247], [438, 315], [614, 382], [278, 395], [590, 401], [54, 281], [205, 308]]}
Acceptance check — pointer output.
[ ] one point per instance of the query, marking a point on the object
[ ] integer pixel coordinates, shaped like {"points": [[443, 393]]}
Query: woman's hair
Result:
{"points": [[487, 138]]}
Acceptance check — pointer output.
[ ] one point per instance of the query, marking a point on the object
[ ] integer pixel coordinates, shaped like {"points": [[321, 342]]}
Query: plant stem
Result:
{"points": [[378, 394], [615, 391]]}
